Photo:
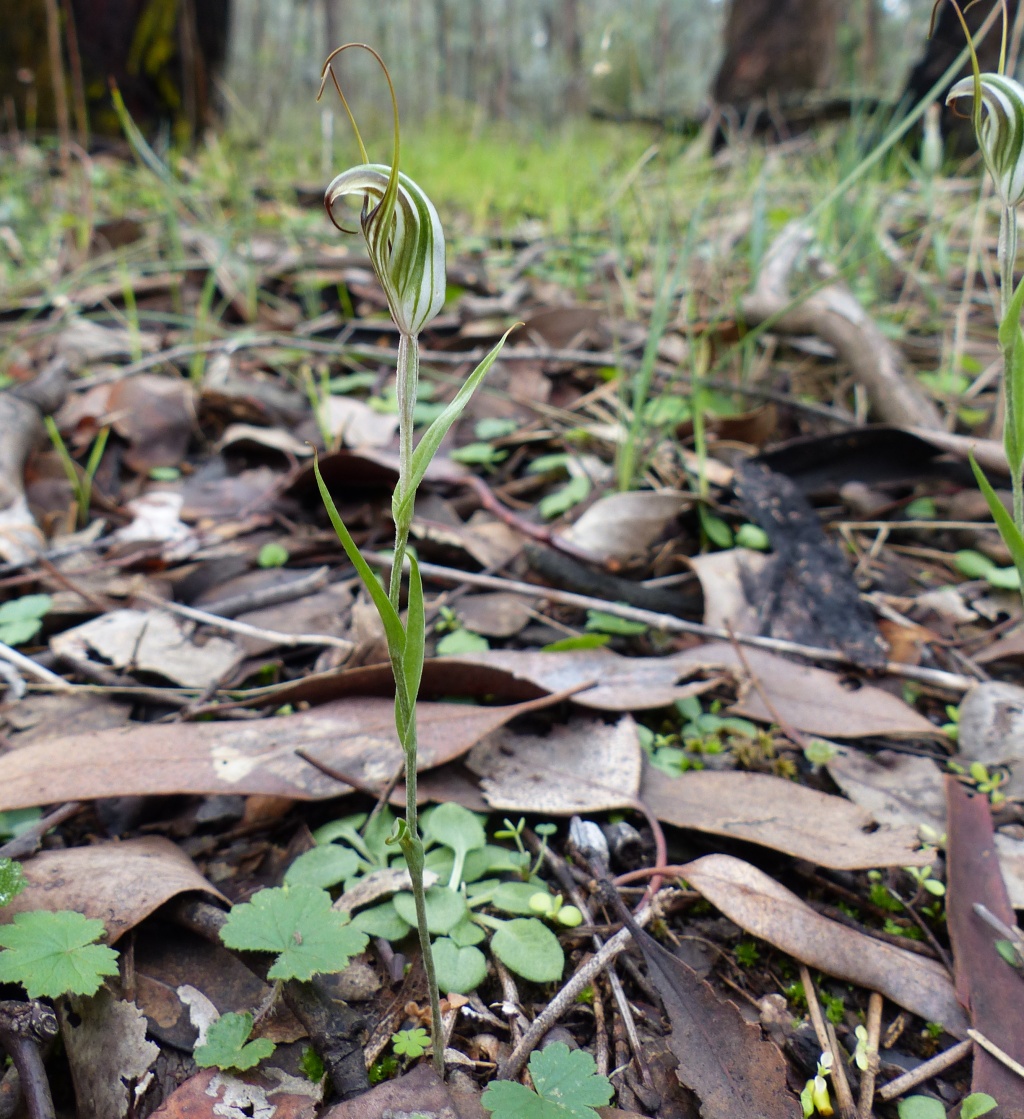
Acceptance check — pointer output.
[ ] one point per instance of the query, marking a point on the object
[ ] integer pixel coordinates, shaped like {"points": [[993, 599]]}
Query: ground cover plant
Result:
{"points": [[707, 630]]}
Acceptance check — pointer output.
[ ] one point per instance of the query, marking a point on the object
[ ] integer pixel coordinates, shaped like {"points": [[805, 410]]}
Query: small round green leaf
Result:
{"points": [[445, 909], [272, 555], [459, 970], [530, 949], [515, 897], [382, 921], [920, 1107], [977, 1103], [467, 933], [323, 866], [227, 1044]]}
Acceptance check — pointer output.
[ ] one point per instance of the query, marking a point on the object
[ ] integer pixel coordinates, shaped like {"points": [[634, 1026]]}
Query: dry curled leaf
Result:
{"points": [[757, 903]]}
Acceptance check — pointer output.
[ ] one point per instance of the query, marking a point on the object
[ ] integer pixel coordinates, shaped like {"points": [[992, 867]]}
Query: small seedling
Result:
{"points": [[227, 1044], [577, 489], [22, 618], [81, 479], [860, 1053], [567, 1087], [746, 953], [753, 537], [312, 1065], [924, 881], [272, 555], [814, 1099], [553, 909], [411, 1043]]}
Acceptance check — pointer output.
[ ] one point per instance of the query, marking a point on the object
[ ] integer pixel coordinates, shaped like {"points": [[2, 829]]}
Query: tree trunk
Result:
{"points": [[776, 47], [162, 55]]}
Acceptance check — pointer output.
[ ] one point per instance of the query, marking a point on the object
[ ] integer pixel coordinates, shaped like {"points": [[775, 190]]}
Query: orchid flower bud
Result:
{"points": [[999, 126], [404, 238]]}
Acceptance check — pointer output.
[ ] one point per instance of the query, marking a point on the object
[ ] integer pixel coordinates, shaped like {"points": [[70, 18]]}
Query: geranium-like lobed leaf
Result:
{"points": [[567, 1084], [53, 954], [12, 880], [298, 924], [228, 1046]]}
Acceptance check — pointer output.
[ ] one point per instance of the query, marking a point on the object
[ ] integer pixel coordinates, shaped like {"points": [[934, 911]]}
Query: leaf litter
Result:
{"points": [[796, 788]]}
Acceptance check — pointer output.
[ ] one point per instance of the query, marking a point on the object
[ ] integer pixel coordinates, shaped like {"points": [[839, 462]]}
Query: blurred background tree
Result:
{"points": [[258, 61]]}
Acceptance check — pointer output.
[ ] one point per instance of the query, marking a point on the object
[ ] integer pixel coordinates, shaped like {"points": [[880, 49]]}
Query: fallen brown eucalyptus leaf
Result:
{"points": [[351, 742], [418, 1092], [119, 883], [902, 790], [772, 812], [985, 983], [583, 766], [763, 907], [724, 1059]]}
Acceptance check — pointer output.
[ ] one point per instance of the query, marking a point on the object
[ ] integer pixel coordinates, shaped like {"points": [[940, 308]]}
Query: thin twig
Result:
{"points": [[27, 841], [948, 681], [1000, 1054], [867, 1080], [826, 1043], [844, 1097], [565, 998], [243, 629], [939, 1063], [30, 668]]}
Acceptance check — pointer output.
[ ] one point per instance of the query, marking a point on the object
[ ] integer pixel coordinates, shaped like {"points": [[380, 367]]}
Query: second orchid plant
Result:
{"points": [[405, 243], [997, 111]]}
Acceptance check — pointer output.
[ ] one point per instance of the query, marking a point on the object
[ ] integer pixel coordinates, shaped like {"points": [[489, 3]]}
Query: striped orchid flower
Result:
{"points": [[400, 226], [998, 112]]}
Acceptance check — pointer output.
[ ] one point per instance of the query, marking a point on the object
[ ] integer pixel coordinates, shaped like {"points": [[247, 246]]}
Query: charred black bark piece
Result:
{"points": [[805, 592]]}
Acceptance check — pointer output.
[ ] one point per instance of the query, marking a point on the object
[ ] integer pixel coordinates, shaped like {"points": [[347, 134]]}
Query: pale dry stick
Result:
{"points": [[829, 1044], [584, 975], [243, 629], [600, 1033], [939, 1063], [844, 1097], [867, 1081], [1013, 935], [510, 1002], [568, 883], [30, 668], [1000, 1054], [667, 623]]}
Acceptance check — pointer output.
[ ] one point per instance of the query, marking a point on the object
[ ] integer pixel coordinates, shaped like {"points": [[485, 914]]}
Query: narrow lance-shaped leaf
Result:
{"points": [[388, 615], [432, 437], [1004, 522], [1011, 339]]}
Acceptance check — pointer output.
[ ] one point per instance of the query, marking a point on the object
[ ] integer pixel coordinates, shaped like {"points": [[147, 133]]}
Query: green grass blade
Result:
{"points": [[1011, 535], [388, 614], [432, 437]]}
